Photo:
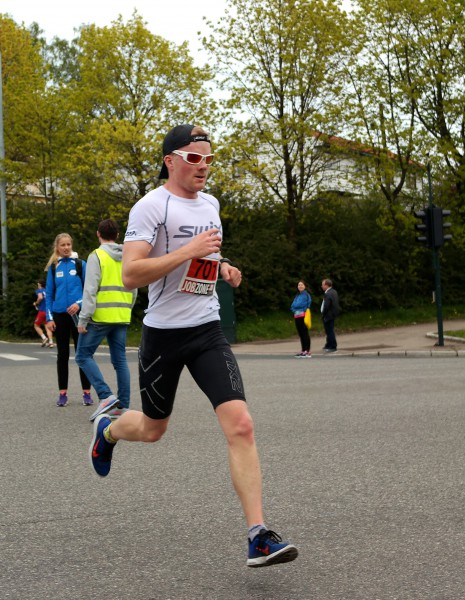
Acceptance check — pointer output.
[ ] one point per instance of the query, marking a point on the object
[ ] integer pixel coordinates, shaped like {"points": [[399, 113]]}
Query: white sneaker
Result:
{"points": [[116, 412], [103, 407]]}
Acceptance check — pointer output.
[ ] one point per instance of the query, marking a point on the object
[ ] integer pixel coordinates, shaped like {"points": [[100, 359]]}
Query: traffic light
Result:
{"points": [[438, 226], [424, 227]]}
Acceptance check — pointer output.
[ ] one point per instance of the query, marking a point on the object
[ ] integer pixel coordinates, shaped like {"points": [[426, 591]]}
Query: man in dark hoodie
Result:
{"points": [[106, 313]]}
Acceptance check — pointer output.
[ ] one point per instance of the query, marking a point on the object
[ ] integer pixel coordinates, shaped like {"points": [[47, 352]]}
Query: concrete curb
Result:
{"points": [[410, 341], [377, 354], [449, 338]]}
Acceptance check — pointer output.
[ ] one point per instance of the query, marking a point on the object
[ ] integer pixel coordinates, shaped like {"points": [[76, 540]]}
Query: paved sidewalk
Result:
{"points": [[413, 340]]}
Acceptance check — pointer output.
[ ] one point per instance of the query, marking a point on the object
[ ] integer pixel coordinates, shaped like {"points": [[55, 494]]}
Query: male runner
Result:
{"points": [[172, 244]]}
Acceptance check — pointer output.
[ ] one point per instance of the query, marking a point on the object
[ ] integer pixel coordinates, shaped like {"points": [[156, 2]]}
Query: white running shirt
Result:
{"points": [[187, 296]]}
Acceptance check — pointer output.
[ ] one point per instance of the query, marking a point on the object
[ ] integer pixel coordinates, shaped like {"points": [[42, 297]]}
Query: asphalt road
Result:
{"points": [[363, 462]]}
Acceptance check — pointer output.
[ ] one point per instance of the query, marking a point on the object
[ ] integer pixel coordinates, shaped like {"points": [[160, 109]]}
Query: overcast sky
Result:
{"points": [[175, 20]]}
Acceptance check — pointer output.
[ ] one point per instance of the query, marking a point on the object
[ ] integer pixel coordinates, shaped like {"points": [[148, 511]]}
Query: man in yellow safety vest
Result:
{"points": [[106, 313]]}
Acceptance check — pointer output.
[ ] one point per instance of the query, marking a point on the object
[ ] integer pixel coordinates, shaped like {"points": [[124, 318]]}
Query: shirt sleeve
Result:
{"points": [[91, 286], [49, 294], [144, 221]]}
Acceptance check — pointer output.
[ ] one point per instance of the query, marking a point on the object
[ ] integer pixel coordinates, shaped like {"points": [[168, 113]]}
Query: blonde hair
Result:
{"points": [[54, 256], [199, 131]]}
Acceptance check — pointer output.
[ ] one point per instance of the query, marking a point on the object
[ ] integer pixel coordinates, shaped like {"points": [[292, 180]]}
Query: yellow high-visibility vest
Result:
{"points": [[114, 301]]}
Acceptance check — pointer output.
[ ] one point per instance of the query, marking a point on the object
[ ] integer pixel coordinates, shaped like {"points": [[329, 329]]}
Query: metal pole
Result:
{"points": [[437, 272], [3, 192], [437, 277]]}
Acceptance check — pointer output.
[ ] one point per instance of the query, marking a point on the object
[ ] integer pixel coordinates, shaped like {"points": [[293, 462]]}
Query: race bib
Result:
{"points": [[199, 277]]}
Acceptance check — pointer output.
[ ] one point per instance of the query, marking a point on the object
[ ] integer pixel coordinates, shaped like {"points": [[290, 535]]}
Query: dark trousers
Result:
{"points": [[331, 343], [303, 334], [65, 328]]}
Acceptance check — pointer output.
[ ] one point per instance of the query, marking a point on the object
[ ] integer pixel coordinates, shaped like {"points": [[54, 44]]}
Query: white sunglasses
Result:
{"points": [[193, 158]]}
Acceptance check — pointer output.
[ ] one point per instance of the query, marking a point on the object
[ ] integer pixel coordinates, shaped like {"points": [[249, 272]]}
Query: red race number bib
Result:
{"points": [[199, 277]]}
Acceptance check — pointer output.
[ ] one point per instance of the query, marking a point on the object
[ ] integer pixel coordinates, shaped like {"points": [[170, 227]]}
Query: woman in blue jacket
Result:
{"points": [[65, 282], [299, 305]]}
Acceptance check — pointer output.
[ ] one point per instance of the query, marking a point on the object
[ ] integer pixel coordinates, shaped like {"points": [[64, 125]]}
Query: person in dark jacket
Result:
{"points": [[299, 305], [329, 311], [65, 276]]}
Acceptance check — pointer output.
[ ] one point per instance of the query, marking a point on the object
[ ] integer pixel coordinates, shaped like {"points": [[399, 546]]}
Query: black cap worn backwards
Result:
{"points": [[178, 137]]}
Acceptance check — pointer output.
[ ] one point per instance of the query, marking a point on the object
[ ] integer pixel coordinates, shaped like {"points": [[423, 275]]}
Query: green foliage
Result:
{"points": [[278, 61], [84, 123], [345, 240], [129, 87], [460, 333], [418, 50]]}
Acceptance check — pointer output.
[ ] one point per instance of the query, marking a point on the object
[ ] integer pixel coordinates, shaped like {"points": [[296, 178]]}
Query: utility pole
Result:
{"points": [[3, 193]]}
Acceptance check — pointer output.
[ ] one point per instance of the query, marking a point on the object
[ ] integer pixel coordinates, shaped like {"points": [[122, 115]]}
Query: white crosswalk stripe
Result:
{"points": [[17, 357]]}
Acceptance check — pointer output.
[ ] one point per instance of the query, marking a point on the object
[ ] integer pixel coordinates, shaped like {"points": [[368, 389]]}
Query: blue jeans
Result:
{"points": [[88, 344]]}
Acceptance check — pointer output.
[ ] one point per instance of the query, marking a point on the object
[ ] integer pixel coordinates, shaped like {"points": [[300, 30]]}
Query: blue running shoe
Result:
{"points": [[267, 549], [87, 399], [62, 400], [100, 451], [103, 407]]}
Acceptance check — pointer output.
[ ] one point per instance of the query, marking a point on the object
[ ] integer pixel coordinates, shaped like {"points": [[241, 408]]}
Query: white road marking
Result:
{"points": [[17, 357]]}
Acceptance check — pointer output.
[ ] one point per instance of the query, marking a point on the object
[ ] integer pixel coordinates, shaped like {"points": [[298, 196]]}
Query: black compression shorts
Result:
{"points": [[204, 350]]}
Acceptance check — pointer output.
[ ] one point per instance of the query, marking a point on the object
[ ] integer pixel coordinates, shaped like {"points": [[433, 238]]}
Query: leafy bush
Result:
{"points": [[374, 267]]}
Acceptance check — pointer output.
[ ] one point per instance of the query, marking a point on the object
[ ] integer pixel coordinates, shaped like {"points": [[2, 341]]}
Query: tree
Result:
{"points": [[130, 88], [434, 44], [278, 61], [380, 105], [411, 60], [86, 121], [23, 83]]}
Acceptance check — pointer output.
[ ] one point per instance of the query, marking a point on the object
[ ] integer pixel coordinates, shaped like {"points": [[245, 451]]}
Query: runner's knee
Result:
{"points": [[153, 430], [242, 428]]}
